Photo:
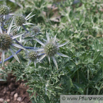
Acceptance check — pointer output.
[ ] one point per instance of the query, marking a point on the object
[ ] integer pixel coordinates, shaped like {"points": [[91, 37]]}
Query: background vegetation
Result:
{"points": [[81, 24]]}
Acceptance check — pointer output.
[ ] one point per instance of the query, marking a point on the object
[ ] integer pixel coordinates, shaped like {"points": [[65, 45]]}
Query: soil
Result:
{"points": [[13, 92]]}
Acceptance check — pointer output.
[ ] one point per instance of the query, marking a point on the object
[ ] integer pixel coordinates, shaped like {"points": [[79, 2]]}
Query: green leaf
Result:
{"points": [[96, 57], [79, 88]]}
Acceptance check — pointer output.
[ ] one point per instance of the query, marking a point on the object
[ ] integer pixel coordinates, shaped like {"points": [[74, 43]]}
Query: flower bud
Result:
{"points": [[32, 56], [5, 41], [4, 10], [36, 29], [50, 49], [19, 20]]}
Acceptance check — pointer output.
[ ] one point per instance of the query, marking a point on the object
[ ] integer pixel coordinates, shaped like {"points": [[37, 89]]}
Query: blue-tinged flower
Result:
{"points": [[4, 10], [35, 29], [50, 49], [4, 13], [21, 20], [33, 56], [7, 42]]}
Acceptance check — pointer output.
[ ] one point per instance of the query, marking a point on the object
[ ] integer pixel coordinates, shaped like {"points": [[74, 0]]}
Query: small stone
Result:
{"points": [[19, 99], [11, 98], [22, 86], [13, 79], [1, 99], [15, 96], [8, 100], [12, 93], [11, 86], [5, 89]]}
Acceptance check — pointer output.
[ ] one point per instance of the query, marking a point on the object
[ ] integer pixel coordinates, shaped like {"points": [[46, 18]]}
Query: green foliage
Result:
{"points": [[16, 69], [81, 73]]}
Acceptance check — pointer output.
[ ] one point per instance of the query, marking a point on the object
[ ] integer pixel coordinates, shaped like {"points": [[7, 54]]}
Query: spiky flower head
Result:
{"points": [[50, 49], [19, 20], [32, 56], [5, 41], [4, 10], [36, 29]]}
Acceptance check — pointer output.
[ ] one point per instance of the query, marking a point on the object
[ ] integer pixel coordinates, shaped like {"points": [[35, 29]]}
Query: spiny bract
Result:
{"points": [[19, 20], [27, 35], [5, 41], [50, 49], [32, 55], [4, 10]]}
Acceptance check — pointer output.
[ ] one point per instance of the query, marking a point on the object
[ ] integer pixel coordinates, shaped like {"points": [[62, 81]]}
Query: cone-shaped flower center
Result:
{"points": [[19, 20], [5, 41], [50, 49], [4, 10], [32, 56]]}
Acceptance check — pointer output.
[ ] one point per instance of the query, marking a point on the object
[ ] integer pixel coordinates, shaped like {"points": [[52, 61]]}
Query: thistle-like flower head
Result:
{"points": [[32, 56], [19, 20], [8, 41], [50, 49], [4, 10], [5, 41]]}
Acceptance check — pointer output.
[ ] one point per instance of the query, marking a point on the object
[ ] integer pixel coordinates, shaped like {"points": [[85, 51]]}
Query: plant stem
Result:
{"points": [[78, 75], [25, 28], [16, 53], [88, 80]]}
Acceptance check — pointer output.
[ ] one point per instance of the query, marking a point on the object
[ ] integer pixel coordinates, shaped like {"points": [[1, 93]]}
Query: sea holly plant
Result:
{"points": [[81, 74], [50, 49], [4, 10], [33, 56], [21, 20], [8, 41]]}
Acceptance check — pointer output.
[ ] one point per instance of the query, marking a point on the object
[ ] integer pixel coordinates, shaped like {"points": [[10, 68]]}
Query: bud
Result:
{"points": [[4, 10], [32, 56], [50, 49], [5, 41], [36, 29], [19, 20]]}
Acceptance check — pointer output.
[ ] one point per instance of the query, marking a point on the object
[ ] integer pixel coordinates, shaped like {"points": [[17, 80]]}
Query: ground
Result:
{"points": [[13, 92]]}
